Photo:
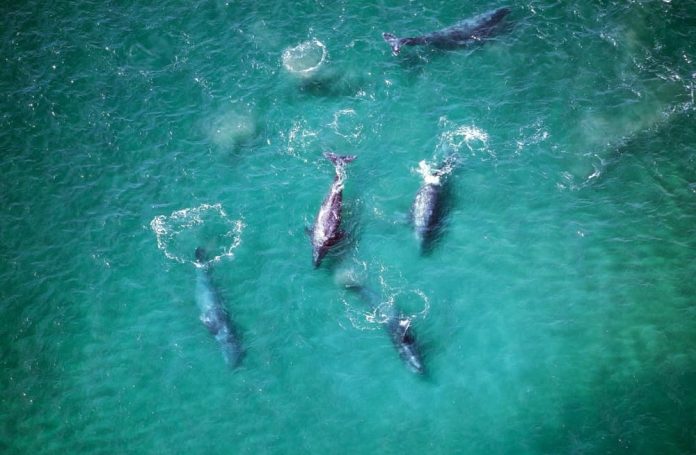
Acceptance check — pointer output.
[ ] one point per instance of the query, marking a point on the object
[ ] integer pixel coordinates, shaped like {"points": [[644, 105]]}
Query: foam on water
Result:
{"points": [[455, 137], [181, 232], [305, 59]]}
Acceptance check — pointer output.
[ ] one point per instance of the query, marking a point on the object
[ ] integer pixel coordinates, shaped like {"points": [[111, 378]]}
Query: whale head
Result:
{"points": [[405, 342], [201, 255]]}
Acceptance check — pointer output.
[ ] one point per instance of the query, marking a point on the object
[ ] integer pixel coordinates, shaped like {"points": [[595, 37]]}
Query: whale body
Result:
{"points": [[428, 208], [399, 329], [213, 314], [459, 34], [326, 231]]}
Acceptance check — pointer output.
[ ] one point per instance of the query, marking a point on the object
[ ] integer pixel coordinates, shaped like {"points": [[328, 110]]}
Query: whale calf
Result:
{"points": [[326, 231], [213, 314], [398, 327], [459, 34], [427, 209]]}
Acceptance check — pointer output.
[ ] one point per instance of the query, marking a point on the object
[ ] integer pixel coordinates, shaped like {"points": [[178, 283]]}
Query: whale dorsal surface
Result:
{"points": [[460, 34]]}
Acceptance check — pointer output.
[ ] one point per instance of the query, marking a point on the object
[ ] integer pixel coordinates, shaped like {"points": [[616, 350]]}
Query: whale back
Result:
{"points": [[461, 33]]}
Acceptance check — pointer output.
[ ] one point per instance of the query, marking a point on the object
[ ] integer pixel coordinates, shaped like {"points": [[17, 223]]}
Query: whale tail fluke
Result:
{"points": [[393, 41], [339, 160]]}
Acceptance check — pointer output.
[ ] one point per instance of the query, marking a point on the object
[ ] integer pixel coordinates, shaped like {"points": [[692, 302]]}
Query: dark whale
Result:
{"points": [[399, 329], [459, 34], [213, 314], [326, 231], [428, 208]]}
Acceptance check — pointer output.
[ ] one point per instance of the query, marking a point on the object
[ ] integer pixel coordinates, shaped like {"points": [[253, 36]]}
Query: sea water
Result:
{"points": [[555, 313]]}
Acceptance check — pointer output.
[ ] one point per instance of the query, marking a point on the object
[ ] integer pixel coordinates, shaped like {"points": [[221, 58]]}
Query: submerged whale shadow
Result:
{"points": [[214, 314], [331, 84]]}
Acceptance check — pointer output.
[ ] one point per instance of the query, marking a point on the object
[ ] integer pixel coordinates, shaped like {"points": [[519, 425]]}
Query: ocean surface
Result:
{"points": [[555, 312]]}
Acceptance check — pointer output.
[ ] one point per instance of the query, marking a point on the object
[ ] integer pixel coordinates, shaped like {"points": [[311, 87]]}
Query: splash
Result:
{"points": [[426, 171], [180, 233], [455, 138], [306, 58]]}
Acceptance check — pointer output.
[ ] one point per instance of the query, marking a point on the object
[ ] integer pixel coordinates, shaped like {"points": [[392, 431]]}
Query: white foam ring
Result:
{"points": [[391, 302], [180, 233], [346, 124], [305, 58]]}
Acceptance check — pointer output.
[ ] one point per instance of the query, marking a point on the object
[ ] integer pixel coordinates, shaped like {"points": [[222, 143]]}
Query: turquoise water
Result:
{"points": [[555, 313]]}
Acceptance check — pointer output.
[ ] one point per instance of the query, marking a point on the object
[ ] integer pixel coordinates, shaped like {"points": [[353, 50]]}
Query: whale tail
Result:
{"points": [[339, 160], [393, 41]]}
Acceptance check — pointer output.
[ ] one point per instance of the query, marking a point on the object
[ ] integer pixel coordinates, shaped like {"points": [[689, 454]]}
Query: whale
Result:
{"points": [[460, 34], [398, 327], [213, 314], [428, 209], [326, 231]]}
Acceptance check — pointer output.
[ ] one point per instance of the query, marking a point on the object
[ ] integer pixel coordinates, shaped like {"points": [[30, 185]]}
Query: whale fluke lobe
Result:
{"points": [[339, 160], [393, 41]]}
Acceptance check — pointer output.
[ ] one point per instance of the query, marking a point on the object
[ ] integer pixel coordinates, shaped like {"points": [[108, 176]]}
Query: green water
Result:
{"points": [[555, 314]]}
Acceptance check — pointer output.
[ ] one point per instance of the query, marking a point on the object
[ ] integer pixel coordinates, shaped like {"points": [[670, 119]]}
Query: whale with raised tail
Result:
{"points": [[459, 34], [213, 314], [326, 231]]}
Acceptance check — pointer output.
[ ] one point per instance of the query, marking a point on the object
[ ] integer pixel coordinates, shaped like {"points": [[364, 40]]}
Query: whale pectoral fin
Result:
{"points": [[309, 230]]}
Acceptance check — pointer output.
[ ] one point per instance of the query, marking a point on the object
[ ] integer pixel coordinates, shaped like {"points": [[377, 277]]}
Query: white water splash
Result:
{"points": [[454, 138], [426, 171], [180, 233]]}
